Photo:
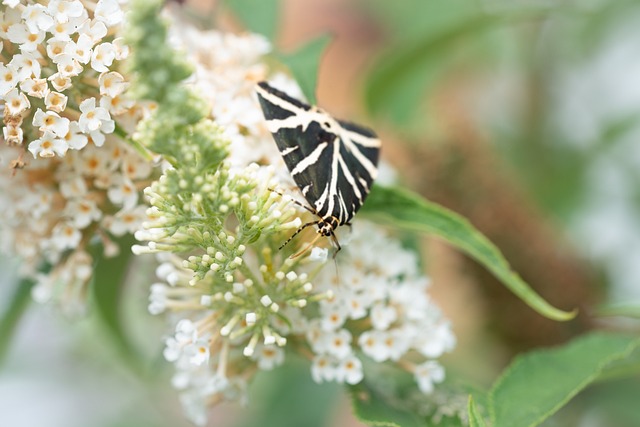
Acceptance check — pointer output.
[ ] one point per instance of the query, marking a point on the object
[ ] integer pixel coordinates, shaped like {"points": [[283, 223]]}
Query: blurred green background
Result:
{"points": [[521, 115]]}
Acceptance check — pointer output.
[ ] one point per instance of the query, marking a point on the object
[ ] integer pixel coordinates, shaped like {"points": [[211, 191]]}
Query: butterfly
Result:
{"points": [[332, 162]]}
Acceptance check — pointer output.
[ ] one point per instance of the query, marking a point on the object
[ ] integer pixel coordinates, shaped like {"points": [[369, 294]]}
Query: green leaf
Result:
{"points": [[260, 16], [475, 419], [375, 410], [288, 397], [401, 208], [108, 284], [304, 64], [11, 318], [539, 383]]}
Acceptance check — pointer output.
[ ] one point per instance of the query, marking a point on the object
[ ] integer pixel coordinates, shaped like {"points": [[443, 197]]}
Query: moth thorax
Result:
{"points": [[328, 226]]}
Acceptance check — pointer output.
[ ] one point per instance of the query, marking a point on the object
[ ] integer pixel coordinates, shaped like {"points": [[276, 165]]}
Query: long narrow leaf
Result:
{"points": [[11, 317], [401, 208], [108, 286]]}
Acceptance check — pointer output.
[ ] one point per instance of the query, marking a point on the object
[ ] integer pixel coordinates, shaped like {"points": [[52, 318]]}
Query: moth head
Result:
{"points": [[328, 226]]}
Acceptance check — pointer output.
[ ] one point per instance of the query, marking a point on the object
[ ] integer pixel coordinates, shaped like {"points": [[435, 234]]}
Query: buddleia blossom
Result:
{"points": [[236, 302], [75, 182], [59, 75]]}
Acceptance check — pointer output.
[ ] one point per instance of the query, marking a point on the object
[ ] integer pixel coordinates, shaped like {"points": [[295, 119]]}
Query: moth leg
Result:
{"points": [[306, 248], [335, 241]]}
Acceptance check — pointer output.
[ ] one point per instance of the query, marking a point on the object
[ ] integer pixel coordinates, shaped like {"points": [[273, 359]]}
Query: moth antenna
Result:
{"points": [[297, 232], [306, 248], [294, 201]]}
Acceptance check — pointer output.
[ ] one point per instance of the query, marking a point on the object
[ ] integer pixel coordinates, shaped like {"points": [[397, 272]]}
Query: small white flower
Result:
{"points": [[197, 352], [322, 369], [133, 168], [339, 343], [72, 188], [102, 57], [11, 3], [75, 139], [349, 370], [382, 316], [186, 331], [51, 121], [318, 254], [82, 212], [63, 10], [13, 135], [122, 50], [67, 65], [37, 88], [80, 50], [48, 146], [435, 340], [372, 344], [37, 18], [427, 374], [65, 236], [92, 117], [117, 105], [96, 30], [15, 102], [123, 192], [333, 316], [172, 350], [55, 101], [111, 84], [55, 48], [269, 357], [27, 65], [28, 41], [109, 12], [7, 19], [8, 78], [127, 221], [60, 81], [356, 303]]}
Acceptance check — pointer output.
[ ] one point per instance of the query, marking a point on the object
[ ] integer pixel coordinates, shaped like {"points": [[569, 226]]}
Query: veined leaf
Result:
{"points": [[304, 64], [401, 208], [539, 383]]}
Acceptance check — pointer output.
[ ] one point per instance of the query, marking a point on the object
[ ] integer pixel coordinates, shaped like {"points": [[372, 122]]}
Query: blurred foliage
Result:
{"points": [[305, 63], [281, 398], [108, 286], [259, 16], [10, 318]]}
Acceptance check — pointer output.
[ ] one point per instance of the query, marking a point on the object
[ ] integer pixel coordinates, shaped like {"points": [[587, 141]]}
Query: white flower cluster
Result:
{"points": [[377, 309], [379, 288], [57, 74], [61, 96]]}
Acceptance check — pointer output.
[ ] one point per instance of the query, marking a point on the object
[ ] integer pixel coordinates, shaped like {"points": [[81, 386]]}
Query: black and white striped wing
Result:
{"points": [[333, 162]]}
